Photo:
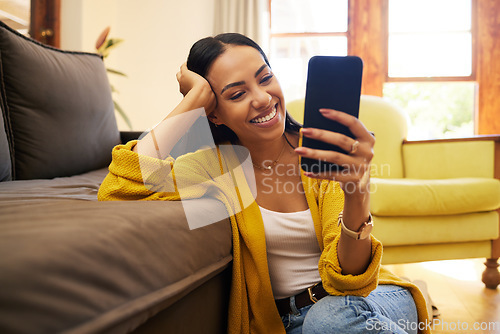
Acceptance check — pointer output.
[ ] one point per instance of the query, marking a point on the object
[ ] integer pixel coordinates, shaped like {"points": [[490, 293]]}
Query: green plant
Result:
{"points": [[435, 109], [103, 45]]}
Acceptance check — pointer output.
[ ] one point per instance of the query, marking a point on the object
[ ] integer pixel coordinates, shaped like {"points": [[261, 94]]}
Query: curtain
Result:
{"points": [[248, 17]]}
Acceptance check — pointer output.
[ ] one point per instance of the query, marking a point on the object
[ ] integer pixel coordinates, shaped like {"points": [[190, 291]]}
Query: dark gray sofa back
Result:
{"points": [[5, 162], [57, 109]]}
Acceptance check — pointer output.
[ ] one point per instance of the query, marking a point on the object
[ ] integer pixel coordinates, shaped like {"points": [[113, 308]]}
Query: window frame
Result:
{"points": [[312, 34]]}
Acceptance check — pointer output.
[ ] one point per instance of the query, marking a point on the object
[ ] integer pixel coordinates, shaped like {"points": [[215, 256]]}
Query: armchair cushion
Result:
{"points": [[415, 197], [433, 230], [390, 126], [444, 160]]}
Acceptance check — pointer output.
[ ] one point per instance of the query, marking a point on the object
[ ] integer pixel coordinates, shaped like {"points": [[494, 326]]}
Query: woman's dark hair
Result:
{"points": [[201, 57]]}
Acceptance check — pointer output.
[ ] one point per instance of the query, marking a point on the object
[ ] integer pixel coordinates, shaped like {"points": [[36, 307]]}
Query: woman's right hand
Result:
{"points": [[191, 81], [197, 94]]}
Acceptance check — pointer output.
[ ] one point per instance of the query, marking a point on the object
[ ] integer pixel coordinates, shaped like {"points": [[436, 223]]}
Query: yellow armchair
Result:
{"points": [[433, 199]]}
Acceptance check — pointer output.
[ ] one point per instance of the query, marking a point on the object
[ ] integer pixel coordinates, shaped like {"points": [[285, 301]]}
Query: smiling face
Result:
{"points": [[249, 97]]}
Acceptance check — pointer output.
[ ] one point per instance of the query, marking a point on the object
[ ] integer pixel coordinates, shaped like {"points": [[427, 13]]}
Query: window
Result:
{"points": [[302, 29], [430, 66]]}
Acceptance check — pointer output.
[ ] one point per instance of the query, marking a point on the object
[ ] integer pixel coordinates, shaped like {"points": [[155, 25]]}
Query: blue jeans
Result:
{"points": [[388, 309]]}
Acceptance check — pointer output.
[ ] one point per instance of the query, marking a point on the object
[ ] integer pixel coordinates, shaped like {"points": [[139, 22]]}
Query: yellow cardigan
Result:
{"points": [[252, 308]]}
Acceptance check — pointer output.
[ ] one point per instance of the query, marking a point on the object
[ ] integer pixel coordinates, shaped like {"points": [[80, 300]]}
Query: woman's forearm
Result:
{"points": [[355, 255], [161, 139]]}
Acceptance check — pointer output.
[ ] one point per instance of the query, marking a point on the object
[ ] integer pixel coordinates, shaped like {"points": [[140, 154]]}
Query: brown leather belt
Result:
{"points": [[306, 297]]}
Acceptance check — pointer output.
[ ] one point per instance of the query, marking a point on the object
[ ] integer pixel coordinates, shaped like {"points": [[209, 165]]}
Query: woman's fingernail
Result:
{"points": [[306, 131], [327, 111], [300, 150]]}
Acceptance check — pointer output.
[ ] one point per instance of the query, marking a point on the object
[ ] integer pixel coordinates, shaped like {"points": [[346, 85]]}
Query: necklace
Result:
{"points": [[274, 162]]}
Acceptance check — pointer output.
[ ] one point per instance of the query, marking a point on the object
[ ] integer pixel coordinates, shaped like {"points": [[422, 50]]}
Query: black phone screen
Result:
{"points": [[333, 83]]}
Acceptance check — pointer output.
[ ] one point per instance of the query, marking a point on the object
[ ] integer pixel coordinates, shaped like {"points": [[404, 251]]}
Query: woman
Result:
{"points": [[279, 239]]}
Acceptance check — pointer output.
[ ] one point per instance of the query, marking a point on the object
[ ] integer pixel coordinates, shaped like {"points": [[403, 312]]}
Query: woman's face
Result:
{"points": [[249, 97]]}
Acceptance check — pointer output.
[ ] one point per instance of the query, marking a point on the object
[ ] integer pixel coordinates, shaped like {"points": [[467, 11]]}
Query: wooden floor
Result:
{"points": [[455, 286]]}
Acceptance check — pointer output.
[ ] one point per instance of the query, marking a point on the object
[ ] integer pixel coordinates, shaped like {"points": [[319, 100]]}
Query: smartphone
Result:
{"points": [[334, 83]]}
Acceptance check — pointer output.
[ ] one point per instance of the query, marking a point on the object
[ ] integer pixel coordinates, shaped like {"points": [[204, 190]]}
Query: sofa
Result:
{"points": [[70, 263], [431, 200]]}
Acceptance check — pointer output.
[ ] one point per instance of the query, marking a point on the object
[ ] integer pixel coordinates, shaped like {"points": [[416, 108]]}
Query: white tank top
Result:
{"points": [[292, 251]]}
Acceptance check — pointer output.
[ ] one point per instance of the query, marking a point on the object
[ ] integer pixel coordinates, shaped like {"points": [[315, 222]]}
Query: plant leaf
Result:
{"points": [[103, 52], [102, 49], [110, 70], [102, 38], [122, 114], [112, 43]]}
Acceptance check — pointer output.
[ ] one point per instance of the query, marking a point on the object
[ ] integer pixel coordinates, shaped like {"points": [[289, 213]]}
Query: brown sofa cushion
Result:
{"points": [[58, 109], [71, 264]]}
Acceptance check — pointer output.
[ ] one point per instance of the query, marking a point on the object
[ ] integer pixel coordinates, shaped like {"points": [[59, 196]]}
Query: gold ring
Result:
{"points": [[354, 147]]}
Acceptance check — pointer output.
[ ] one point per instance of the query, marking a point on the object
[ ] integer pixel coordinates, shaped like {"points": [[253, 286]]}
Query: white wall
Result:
{"points": [[157, 37], [82, 21]]}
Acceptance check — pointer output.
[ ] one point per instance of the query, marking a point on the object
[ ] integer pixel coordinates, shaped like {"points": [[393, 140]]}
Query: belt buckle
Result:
{"points": [[311, 294]]}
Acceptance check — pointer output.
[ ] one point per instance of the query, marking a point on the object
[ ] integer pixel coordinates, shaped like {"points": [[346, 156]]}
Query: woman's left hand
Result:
{"points": [[354, 177]]}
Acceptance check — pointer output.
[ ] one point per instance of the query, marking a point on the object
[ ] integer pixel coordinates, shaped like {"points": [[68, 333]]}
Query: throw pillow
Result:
{"points": [[57, 106]]}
